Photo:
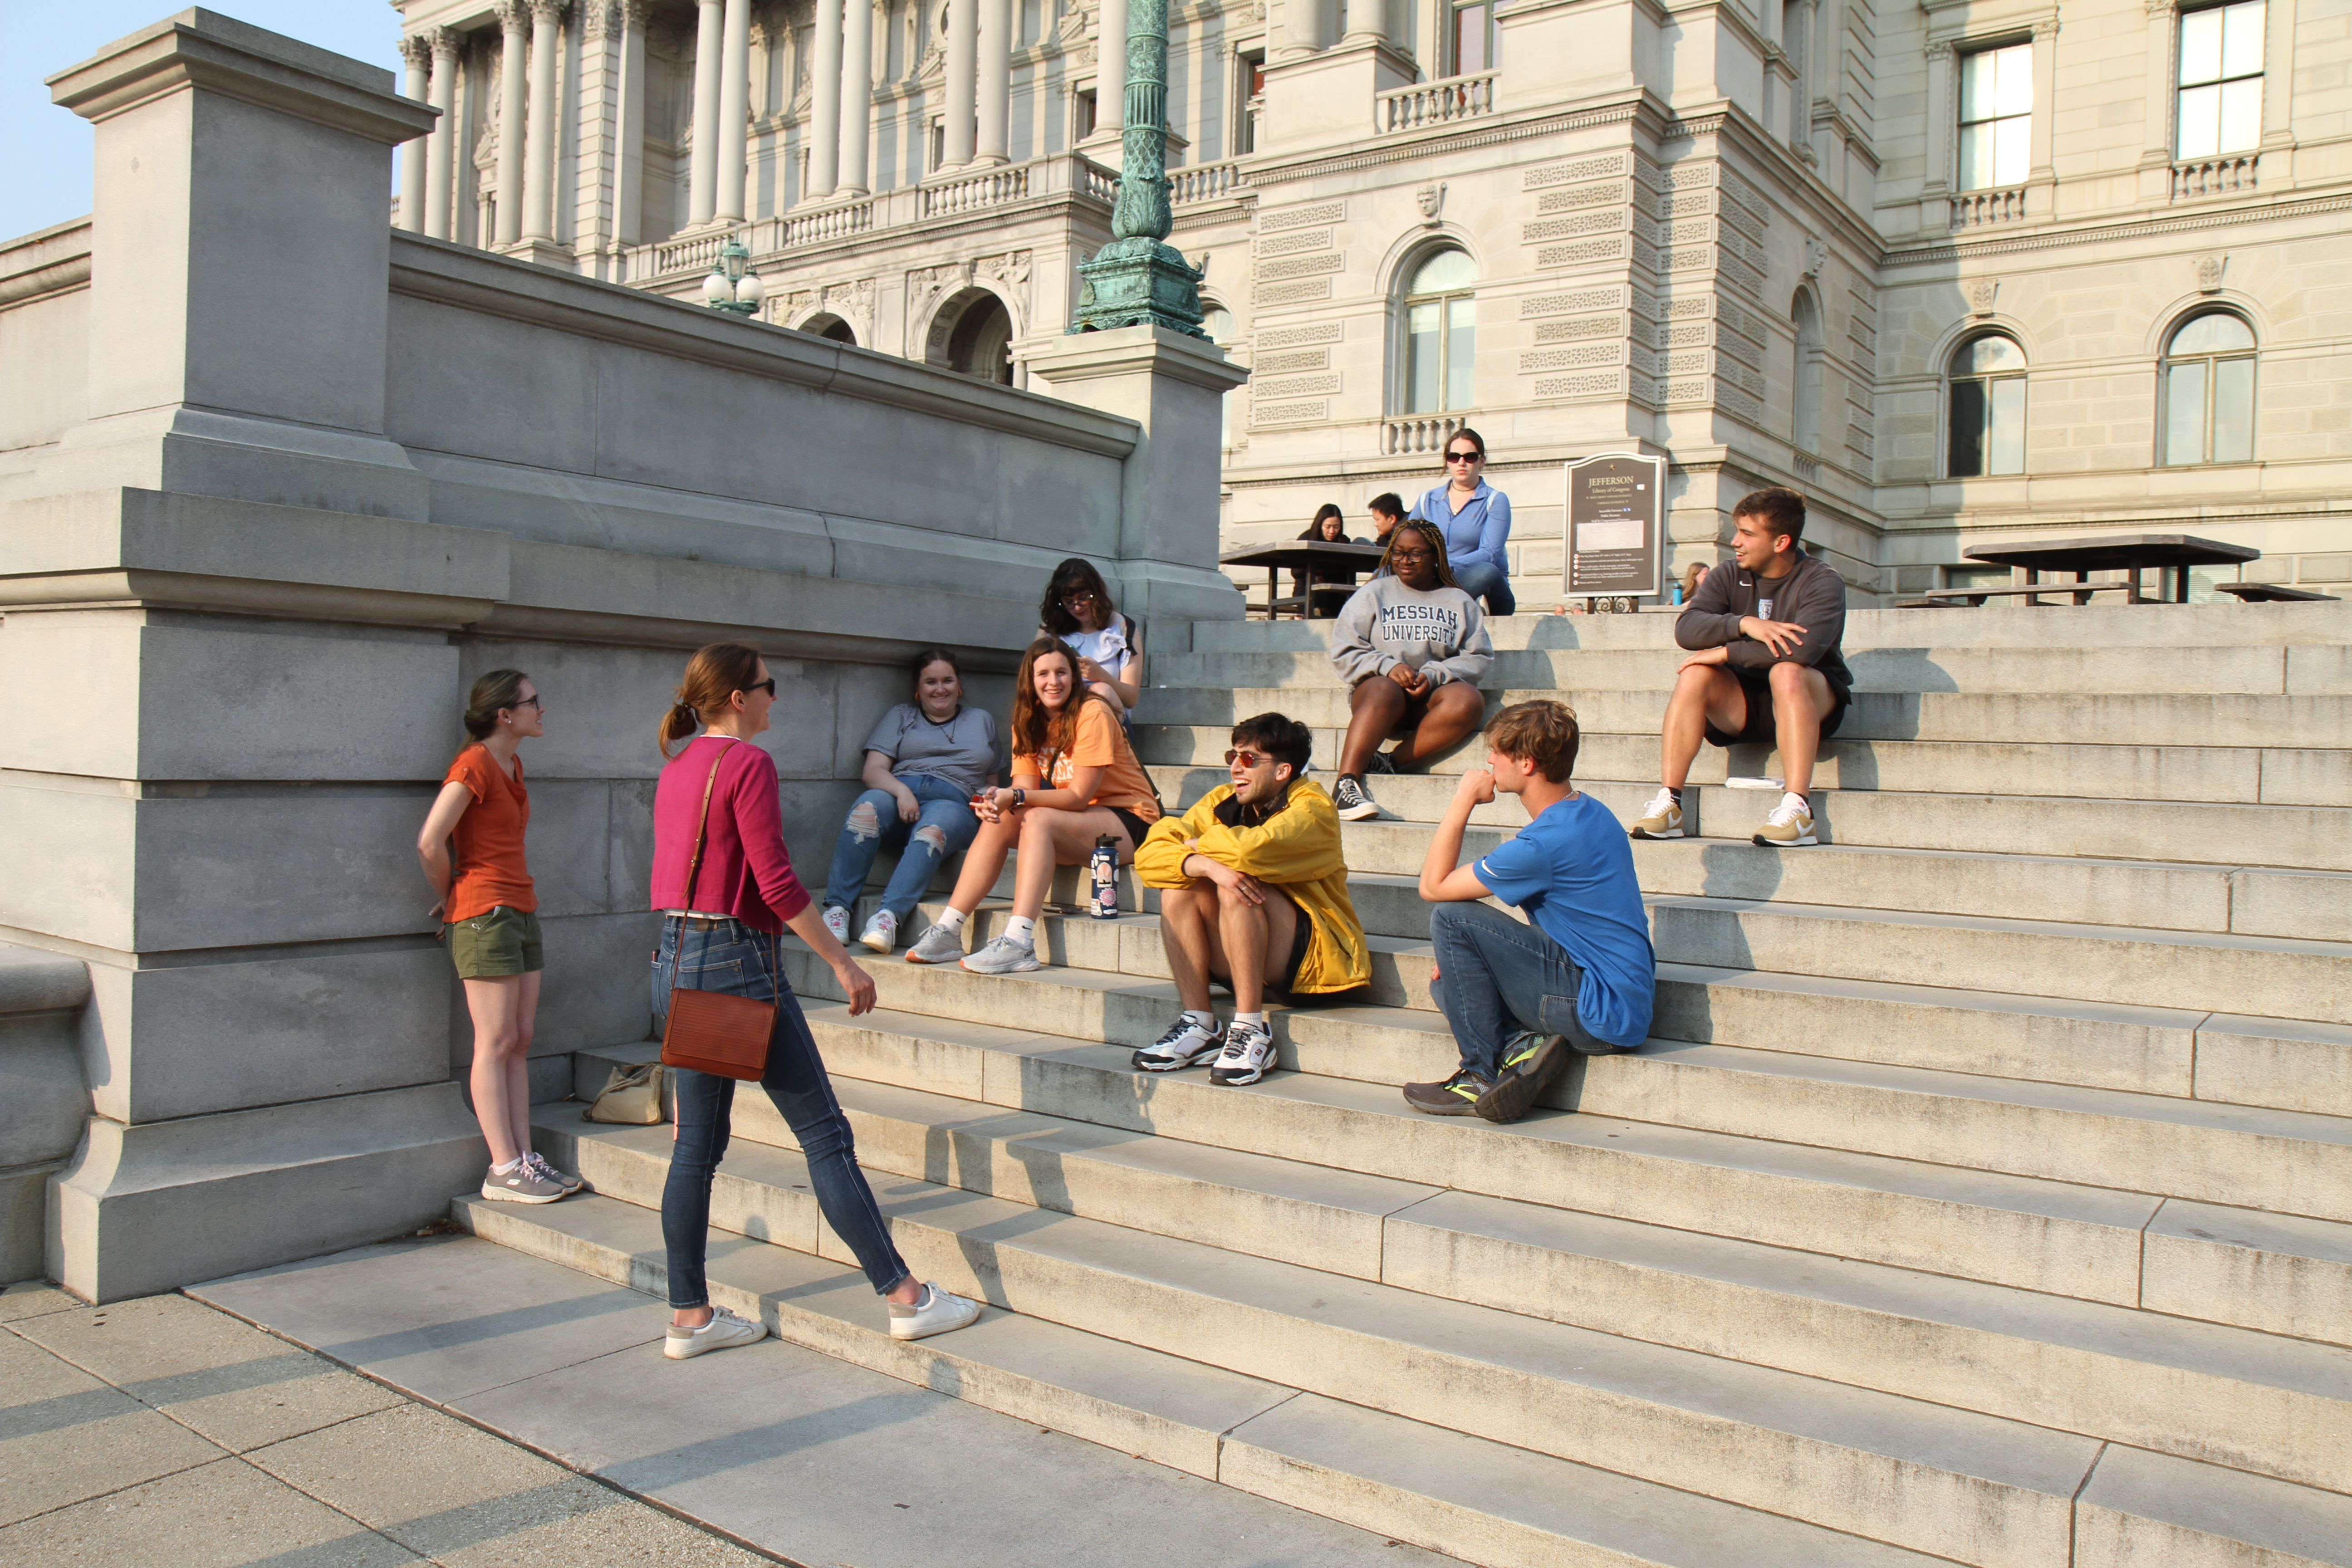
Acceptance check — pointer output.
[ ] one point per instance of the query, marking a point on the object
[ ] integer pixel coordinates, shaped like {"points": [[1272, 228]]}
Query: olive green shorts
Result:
{"points": [[496, 945]]}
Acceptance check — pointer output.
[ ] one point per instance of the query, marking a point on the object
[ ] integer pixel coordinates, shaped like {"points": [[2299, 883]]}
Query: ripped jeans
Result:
{"points": [[946, 827]]}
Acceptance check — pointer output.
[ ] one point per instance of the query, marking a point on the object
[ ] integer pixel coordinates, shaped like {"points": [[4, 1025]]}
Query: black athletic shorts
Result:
{"points": [[1136, 826], [1760, 729], [1302, 931]]}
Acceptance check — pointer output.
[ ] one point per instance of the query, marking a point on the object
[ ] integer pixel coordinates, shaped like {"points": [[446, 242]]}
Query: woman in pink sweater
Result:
{"points": [[724, 934]]}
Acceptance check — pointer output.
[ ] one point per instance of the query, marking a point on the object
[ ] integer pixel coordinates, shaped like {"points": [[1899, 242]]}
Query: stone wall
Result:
{"points": [[284, 484]]}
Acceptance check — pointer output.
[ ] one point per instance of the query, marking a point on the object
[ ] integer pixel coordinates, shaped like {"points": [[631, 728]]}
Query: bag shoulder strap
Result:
{"points": [[694, 869]]}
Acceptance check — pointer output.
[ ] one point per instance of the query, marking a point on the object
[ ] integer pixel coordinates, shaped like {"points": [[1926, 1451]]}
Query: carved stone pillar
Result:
{"points": [[708, 45], [991, 140], [824, 100], [734, 112], [629, 134], [416, 54], [1110, 65], [539, 187], [440, 154], [514, 33], [856, 93], [1936, 189], [963, 65]]}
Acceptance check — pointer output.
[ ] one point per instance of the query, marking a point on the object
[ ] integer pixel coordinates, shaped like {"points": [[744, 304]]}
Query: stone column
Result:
{"points": [[440, 156], [1110, 65], [2041, 130], [538, 180], [2278, 87], [992, 142], [514, 22], [701, 180], [233, 444], [416, 54], [734, 112], [824, 100], [1936, 188], [629, 135], [962, 64], [1307, 27], [857, 94], [2156, 155]]}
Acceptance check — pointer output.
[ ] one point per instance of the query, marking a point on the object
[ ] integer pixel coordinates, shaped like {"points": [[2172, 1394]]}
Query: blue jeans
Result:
{"points": [[1484, 580], [947, 826], [1497, 977], [736, 958]]}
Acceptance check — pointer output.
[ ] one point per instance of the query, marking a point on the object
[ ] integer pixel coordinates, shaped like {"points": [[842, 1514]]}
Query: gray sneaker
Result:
{"points": [[521, 1185], [940, 944], [724, 1331], [1004, 956], [538, 1163]]}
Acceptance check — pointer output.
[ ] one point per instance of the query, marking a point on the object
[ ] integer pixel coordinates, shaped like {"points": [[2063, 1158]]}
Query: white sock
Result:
{"points": [[1788, 795], [509, 1169], [1023, 930], [953, 918], [1201, 1017], [1255, 1020]]}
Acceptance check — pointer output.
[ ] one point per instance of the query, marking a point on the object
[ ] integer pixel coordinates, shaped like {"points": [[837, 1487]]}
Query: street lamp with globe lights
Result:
{"points": [[731, 286]]}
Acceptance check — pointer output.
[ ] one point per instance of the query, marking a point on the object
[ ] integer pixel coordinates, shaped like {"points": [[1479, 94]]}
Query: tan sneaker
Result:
{"points": [[1662, 818], [1791, 823]]}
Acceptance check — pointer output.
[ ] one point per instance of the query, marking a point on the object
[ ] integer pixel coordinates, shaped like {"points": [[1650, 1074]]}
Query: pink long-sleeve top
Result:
{"points": [[746, 871]]}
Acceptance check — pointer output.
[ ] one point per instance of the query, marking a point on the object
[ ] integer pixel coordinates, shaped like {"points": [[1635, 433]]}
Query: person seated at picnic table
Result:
{"points": [[1253, 890], [1330, 527], [1765, 626], [1412, 646], [1388, 509], [1579, 975]]}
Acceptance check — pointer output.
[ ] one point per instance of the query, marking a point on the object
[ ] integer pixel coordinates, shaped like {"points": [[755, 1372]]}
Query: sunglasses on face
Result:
{"points": [[768, 686], [1246, 757], [1466, 457]]}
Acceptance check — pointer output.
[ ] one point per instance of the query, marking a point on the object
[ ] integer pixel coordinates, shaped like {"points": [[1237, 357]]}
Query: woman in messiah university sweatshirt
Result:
{"points": [[1412, 646]]}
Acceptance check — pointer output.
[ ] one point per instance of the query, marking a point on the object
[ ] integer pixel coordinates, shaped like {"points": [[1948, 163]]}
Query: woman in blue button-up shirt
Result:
{"points": [[1476, 519]]}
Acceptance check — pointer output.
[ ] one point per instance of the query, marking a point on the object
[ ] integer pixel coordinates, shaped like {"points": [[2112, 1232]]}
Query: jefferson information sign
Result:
{"points": [[1616, 524]]}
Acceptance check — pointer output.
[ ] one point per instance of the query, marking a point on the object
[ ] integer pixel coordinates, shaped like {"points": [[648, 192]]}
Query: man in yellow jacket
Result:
{"points": [[1253, 889]]}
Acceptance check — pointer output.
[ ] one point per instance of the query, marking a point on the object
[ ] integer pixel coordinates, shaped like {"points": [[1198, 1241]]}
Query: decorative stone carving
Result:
{"points": [[1431, 199], [1816, 255], [2209, 273], [1982, 294], [416, 49]]}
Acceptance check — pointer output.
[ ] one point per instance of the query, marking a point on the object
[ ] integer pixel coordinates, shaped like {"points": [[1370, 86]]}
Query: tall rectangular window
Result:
{"points": [[2221, 104], [1251, 70], [1996, 117], [1474, 36]]}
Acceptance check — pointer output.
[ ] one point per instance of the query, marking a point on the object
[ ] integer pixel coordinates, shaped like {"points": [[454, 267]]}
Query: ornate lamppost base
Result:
{"points": [[1138, 282]]}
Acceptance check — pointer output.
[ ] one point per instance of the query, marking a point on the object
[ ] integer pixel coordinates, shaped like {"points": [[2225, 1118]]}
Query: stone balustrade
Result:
{"points": [[991, 188], [1205, 182], [2225, 176], [1435, 102], [1975, 209], [1419, 433]]}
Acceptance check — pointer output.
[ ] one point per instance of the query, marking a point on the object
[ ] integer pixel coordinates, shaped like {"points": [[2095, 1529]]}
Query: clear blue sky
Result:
{"points": [[45, 150]]}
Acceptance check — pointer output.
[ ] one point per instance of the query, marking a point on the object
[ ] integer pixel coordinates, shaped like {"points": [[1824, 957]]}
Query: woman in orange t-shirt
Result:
{"points": [[1074, 779], [471, 848]]}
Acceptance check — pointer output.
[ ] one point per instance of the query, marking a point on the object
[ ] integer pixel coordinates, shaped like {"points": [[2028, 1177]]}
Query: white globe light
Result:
{"points": [[716, 290], [750, 291]]}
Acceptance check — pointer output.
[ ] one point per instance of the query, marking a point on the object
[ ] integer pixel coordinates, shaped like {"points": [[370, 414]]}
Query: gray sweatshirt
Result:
{"points": [[1440, 632], [1812, 596]]}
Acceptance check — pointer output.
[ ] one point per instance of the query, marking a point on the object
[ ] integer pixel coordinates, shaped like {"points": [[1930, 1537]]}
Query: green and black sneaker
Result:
{"points": [[1457, 1096], [1532, 1063]]}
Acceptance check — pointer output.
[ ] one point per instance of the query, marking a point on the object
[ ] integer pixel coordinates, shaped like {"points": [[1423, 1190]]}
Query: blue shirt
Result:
{"points": [[1572, 870], [1476, 535]]}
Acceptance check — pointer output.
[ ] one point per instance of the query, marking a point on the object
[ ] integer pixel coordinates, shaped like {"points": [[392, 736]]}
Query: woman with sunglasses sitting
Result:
{"points": [[1412, 646], [1075, 780], [1107, 645], [1475, 518]]}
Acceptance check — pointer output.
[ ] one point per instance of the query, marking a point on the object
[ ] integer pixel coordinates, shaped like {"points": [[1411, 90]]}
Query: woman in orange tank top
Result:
{"points": [[471, 848]]}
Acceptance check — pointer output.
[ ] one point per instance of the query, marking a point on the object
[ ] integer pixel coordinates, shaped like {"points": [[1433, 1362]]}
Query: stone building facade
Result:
{"points": [[1964, 271]]}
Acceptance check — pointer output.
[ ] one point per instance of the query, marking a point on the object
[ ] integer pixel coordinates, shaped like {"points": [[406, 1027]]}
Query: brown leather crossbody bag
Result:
{"points": [[714, 1031]]}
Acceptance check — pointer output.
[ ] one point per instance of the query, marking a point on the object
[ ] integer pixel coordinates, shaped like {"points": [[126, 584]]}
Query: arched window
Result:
{"points": [[1218, 323], [980, 345], [2209, 391], [1988, 408], [828, 325], [1440, 332], [1805, 423]]}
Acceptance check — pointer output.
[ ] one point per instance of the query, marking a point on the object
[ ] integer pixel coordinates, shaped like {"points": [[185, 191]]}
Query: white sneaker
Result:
{"points": [[724, 1331], [1662, 818], [1791, 823], [1186, 1044], [1248, 1054], [1004, 956], [937, 1312], [881, 932], [836, 920], [939, 944]]}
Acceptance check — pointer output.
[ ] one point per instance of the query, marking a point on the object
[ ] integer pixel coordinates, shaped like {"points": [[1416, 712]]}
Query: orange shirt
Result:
{"points": [[1100, 743], [490, 870]]}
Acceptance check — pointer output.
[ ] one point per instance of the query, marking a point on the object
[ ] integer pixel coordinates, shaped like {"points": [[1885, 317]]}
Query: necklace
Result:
{"points": [[940, 724]]}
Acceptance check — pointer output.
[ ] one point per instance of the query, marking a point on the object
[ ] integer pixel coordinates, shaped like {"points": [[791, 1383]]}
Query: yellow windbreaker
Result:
{"points": [[1296, 850]]}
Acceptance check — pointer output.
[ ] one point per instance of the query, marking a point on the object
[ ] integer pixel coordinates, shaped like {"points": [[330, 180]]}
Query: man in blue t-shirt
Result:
{"points": [[1581, 977]]}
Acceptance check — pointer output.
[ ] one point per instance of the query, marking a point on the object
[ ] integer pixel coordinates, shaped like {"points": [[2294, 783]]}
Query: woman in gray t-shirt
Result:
{"points": [[924, 761]]}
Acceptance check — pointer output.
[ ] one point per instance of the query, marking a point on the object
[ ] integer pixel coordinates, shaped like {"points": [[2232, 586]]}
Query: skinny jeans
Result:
{"points": [[735, 959], [1485, 580]]}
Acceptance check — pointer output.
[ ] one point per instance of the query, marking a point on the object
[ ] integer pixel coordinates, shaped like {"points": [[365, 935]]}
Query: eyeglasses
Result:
{"points": [[768, 686], [532, 703], [1246, 757], [1082, 596], [1412, 555], [1466, 457]]}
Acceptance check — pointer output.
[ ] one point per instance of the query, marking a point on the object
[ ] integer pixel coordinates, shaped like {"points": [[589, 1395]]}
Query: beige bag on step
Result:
{"points": [[632, 1095]]}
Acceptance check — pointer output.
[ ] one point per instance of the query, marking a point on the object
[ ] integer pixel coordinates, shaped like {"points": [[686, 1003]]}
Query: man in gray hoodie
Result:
{"points": [[1767, 670], [1411, 646]]}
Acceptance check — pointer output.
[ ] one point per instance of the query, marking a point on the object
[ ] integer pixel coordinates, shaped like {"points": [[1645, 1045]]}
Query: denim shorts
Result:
{"points": [[495, 946]]}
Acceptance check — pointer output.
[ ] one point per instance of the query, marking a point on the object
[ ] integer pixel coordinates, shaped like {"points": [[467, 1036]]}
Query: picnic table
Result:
{"points": [[2270, 593], [1303, 554], [2131, 553]]}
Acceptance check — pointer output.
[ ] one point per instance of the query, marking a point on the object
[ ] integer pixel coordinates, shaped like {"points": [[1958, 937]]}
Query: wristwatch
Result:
{"points": [[1020, 798]]}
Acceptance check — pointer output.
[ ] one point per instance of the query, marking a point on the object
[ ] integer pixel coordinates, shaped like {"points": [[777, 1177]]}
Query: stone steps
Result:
{"points": [[2243, 775], [2322, 723], [2304, 671], [1989, 627], [1916, 1474]]}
